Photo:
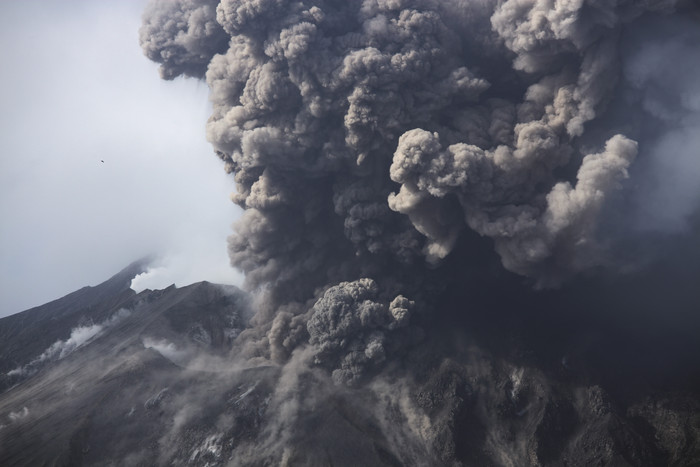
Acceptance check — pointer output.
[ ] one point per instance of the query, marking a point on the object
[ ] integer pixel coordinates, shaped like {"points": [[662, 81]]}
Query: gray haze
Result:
{"points": [[75, 90]]}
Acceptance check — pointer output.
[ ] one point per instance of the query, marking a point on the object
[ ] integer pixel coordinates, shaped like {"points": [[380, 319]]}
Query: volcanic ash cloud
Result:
{"points": [[371, 141]]}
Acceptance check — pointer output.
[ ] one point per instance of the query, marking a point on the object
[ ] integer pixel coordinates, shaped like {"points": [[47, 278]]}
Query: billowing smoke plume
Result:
{"points": [[347, 328], [377, 131], [373, 142], [183, 36]]}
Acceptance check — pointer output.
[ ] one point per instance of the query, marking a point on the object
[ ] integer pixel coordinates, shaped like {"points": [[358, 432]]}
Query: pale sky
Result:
{"points": [[76, 90]]}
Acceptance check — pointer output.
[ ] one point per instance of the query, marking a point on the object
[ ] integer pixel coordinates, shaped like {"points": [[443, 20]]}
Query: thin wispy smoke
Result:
{"points": [[79, 336]]}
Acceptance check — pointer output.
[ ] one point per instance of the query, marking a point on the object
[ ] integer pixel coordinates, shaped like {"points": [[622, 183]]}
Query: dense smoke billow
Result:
{"points": [[383, 148]]}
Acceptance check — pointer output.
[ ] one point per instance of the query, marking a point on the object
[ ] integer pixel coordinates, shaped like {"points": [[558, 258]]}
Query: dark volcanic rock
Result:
{"points": [[26, 334], [150, 379], [112, 395]]}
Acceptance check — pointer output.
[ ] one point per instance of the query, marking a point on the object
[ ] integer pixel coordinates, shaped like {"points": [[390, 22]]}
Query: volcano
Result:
{"points": [[106, 376]]}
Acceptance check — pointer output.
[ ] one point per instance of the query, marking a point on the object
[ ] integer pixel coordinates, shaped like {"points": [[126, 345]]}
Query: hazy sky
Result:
{"points": [[76, 90]]}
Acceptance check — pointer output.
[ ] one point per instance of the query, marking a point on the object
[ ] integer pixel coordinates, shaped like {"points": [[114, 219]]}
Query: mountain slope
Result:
{"points": [[28, 333], [155, 378], [118, 373]]}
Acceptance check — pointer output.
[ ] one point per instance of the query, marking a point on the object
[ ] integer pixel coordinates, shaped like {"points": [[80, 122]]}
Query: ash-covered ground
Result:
{"points": [[156, 378], [470, 237]]}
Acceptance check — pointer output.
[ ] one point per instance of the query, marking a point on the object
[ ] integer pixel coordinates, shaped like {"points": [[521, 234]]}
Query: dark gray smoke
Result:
{"points": [[183, 36], [382, 147], [348, 329]]}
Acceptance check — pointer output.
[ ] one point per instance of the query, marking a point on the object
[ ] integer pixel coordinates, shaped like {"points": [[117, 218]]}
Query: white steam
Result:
{"points": [[79, 337]]}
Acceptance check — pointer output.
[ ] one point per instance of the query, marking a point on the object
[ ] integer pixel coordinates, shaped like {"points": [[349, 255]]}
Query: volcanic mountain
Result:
{"points": [[106, 376], [96, 375]]}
